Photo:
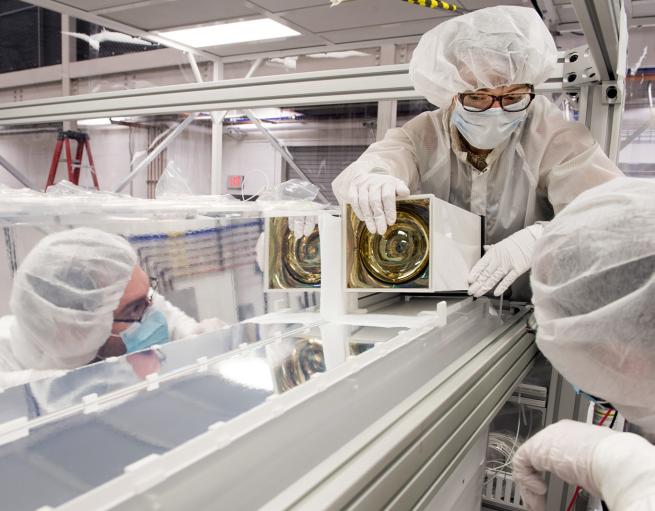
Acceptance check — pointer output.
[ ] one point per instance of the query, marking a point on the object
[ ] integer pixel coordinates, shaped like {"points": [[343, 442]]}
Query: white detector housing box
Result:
{"points": [[455, 245]]}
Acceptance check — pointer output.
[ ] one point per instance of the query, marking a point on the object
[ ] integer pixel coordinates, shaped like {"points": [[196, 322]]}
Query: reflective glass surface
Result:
{"points": [[152, 422], [49, 395], [323, 427]]}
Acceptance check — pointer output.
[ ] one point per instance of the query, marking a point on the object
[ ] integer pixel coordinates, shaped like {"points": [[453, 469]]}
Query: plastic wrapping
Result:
{"points": [[291, 198], [172, 183], [293, 189], [67, 199]]}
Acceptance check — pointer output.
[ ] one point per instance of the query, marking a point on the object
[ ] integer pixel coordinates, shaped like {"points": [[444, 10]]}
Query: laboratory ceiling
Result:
{"points": [[353, 22]]}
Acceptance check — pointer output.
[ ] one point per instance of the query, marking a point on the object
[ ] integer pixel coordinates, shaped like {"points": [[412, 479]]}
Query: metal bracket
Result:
{"points": [[579, 67]]}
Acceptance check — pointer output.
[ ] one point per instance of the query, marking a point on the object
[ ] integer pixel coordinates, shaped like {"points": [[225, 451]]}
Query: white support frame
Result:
{"points": [[605, 27], [216, 180], [387, 110], [323, 87]]}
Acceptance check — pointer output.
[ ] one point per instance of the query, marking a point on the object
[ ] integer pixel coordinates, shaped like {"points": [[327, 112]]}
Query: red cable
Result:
{"points": [[578, 488], [574, 498]]}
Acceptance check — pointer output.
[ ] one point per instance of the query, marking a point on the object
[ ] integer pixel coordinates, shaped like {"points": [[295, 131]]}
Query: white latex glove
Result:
{"points": [[302, 225], [504, 262], [373, 199], [566, 449], [617, 467]]}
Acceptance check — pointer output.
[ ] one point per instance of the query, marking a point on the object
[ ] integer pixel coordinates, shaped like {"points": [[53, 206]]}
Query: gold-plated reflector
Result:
{"points": [[400, 254], [305, 359], [400, 258], [292, 263], [302, 257]]}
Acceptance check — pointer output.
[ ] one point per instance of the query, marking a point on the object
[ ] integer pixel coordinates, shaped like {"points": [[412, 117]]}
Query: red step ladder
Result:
{"points": [[73, 166]]}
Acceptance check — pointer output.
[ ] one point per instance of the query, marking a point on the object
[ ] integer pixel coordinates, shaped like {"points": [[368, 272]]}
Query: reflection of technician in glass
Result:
{"points": [[492, 147], [80, 296]]}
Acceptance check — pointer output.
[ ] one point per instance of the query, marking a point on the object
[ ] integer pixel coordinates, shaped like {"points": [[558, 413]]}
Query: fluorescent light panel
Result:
{"points": [[100, 121], [230, 33]]}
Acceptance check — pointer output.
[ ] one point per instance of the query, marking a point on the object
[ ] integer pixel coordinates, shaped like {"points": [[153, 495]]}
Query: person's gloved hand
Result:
{"points": [[302, 225], [373, 199], [565, 449], [504, 262]]}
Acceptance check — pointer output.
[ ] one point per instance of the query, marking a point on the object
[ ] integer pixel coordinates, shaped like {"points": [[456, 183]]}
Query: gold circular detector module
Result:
{"points": [[400, 254], [302, 257]]}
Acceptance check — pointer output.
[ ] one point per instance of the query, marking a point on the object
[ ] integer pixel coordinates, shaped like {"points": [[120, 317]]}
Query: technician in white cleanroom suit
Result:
{"points": [[593, 279], [515, 160], [80, 296]]}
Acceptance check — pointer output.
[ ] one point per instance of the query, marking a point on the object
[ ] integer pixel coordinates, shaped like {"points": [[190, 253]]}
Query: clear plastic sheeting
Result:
{"points": [[293, 189], [68, 200], [294, 197], [172, 183]]}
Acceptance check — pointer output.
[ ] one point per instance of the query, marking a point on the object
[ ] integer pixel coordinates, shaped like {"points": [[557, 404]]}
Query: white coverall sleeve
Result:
{"points": [[572, 160], [624, 468], [395, 155], [617, 467], [180, 325]]}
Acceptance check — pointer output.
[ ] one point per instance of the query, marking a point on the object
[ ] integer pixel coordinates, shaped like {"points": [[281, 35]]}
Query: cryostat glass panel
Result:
{"points": [[153, 422], [51, 395]]}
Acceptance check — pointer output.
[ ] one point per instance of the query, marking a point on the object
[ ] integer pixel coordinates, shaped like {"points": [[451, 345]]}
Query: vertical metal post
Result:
{"points": [[67, 46], [563, 403], [605, 26], [387, 109], [216, 178], [217, 139]]}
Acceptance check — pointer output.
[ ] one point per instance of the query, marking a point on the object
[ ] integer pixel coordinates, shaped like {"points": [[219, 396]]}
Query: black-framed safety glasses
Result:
{"points": [[510, 102], [138, 308]]}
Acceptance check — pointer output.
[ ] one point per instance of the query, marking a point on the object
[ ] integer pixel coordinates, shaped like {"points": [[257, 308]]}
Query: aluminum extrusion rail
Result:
{"points": [[339, 86], [323, 87], [406, 465]]}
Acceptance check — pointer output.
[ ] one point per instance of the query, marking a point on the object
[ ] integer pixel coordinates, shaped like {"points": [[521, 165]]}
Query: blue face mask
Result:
{"points": [[487, 129], [151, 330]]}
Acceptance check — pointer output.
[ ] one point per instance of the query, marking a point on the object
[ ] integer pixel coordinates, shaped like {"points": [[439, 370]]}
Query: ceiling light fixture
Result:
{"points": [[230, 33], [100, 121]]}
